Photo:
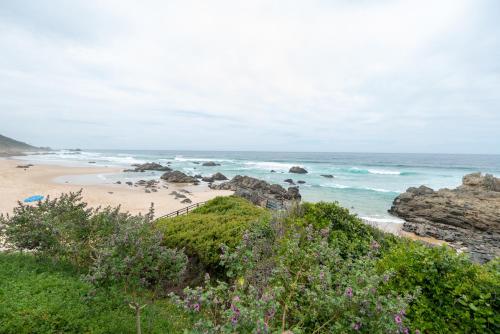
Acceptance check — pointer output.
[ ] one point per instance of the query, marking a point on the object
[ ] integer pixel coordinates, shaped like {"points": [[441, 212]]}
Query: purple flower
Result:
{"points": [[406, 330], [321, 275], [398, 319], [348, 292], [356, 326], [234, 320], [236, 299], [196, 307], [417, 331], [375, 245]]}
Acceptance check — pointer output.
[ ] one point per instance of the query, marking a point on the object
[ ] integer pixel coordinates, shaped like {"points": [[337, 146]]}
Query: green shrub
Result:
{"points": [[203, 231], [457, 296], [40, 296], [347, 232], [284, 277]]}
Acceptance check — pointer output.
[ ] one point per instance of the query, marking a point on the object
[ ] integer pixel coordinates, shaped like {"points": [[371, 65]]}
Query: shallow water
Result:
{"points": [[367, 183]]}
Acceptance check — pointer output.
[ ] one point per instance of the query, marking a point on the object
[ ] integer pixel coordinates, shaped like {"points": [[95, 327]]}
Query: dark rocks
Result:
{"points": [[118, 182], [219, 177], [215, 177], [328, 176], [273, 171], [129, 183], [301, 182], [289, 181], [178, 177], [91, 162], [260, 192], [466, 217], [148, 166], [210, 164], [208, 179], [297, 170], [24, 166], [187, 201], [198, 176]]}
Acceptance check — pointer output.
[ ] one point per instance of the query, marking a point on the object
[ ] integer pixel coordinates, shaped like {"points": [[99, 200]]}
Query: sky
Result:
{"points": [[316, 75]]}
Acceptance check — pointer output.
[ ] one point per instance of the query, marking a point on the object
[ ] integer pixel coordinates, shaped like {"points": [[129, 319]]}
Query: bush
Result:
{"points": [[347, 232], [287, 277], [457, 296], [40, 296], [202, 232]]}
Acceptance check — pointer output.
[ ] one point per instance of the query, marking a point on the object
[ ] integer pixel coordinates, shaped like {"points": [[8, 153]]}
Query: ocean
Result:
{"points": [[366, 183]]}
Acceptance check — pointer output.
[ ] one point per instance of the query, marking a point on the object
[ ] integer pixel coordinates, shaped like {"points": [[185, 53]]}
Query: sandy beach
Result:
{"points": [[18, 183]]}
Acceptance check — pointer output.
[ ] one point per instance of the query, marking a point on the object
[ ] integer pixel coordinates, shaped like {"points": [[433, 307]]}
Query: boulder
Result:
{"points": [[219, 177], [328, 176], [260, 192], [198, 176], [210, 164], [148, 166], [297, 170], [467, 217], [301, 182], [289, 181], [178, 177], [208, 179]]}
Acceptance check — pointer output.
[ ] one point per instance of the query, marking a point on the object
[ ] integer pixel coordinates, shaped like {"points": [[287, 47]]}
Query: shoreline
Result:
{"points": [[17, 184], [53, 179]]}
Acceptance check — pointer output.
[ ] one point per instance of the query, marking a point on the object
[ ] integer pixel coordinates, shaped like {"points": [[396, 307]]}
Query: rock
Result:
{"points": [[186, 200], [196, 162], [198, 176], [467, 216], [301, 182], [91, 162], [328, 176], [148, 166], [273, 171], [147, 191], [129, 183], [178, 177], [260, 192], [24, 166], [210, 164], [289, 181], [297, 170], [185, 191], [208, 179], [118, 182], [219, 177]]}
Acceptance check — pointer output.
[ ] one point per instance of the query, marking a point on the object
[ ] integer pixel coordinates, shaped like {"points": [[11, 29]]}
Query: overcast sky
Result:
{"points": [[332, 75]]}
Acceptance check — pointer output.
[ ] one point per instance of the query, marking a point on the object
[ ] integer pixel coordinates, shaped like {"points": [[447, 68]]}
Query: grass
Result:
{"points": [[38, 296], [220, 221]]}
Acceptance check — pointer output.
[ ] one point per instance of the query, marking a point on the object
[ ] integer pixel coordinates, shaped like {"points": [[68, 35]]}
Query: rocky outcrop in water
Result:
{"points": [[178, 177], [210, 164], [467, 217], [297, 170], [148, 166], [260, 192]]}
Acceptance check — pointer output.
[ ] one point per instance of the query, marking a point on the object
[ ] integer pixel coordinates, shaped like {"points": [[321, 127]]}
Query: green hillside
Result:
{"points": [[10, 145]]}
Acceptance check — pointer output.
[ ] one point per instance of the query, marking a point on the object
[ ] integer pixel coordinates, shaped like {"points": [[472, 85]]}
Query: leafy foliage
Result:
{"points": [[457, 296], [201, 232], [287, 277], [40, 296]]}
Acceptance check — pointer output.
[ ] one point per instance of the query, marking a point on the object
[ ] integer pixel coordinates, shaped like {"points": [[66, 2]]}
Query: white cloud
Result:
{"points": [[289, 75]]}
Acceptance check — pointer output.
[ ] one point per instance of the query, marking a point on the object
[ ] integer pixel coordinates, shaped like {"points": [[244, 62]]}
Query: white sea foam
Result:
{"points": [[386, 220], [268, 165], [188, 159], [357, 170], [342, 186]]}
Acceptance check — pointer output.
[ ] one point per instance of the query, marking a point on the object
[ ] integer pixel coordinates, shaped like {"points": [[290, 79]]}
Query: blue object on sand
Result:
{"points": [[33, 199]]}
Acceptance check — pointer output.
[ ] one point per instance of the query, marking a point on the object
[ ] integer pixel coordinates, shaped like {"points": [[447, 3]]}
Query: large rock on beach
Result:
{"points": [[467, 217], [260, 192], [297, 170], [148, 166], [178, 177]]}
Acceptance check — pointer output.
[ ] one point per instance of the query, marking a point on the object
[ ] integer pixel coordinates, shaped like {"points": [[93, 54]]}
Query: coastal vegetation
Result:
{"points": [[314, 268]]}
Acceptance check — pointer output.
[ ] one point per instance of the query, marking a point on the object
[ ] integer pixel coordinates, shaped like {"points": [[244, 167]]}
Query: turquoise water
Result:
{"points": [[367, 183]]}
